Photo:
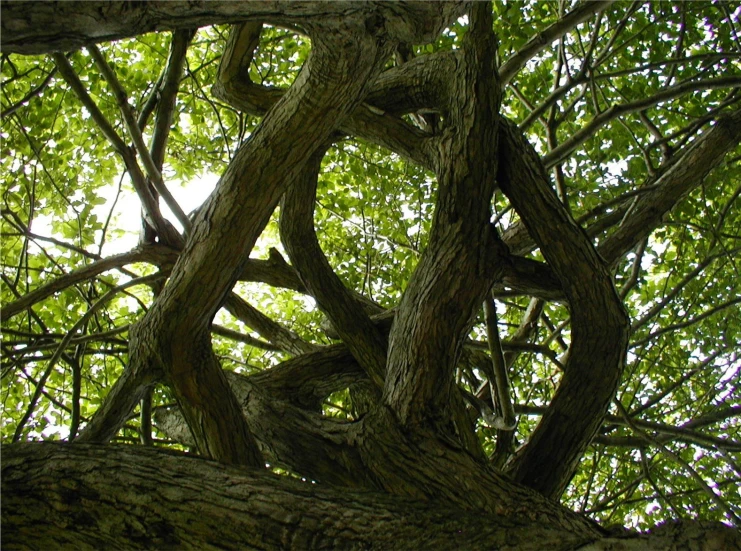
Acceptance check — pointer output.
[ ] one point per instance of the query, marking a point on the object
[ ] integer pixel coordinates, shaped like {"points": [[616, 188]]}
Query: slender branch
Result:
{"points": [[685, 433], [165, 231], [168, 95], [668, 297], [30, 95], [69, 74], [561, 152], [76, 276], [635, 271], [270, 330], [666, 329], [131, 124], [657, 398], [241, 337], [548, 35], [506, 419]]}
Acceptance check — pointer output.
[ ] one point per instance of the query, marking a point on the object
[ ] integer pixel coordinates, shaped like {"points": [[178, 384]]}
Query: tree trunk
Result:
{"points": [[124, 497]]}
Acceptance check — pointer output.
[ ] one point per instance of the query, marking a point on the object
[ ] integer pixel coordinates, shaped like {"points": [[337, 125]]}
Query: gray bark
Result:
{"points": [[30, 28]]}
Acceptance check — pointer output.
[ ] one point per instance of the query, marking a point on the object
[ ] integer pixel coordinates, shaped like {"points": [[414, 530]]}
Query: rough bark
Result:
{"points": [[94, 497], [173, 336], [32, 28], [599, 324], [460, 262], [355, 328], [424, 478]]}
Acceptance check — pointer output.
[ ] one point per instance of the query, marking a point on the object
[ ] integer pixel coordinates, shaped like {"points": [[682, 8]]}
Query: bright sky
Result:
{"points": [[128, 207]]}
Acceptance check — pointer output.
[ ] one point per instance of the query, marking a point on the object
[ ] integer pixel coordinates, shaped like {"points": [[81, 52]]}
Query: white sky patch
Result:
{"points": [[127, 213]]}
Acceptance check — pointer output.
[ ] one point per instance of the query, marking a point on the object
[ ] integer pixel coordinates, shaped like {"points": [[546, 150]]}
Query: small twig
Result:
{"points": [[31, 94]]}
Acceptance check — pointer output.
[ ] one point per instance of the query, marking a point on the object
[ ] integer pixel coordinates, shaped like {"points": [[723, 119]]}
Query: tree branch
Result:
{"points": [[682, 176], [562, 152], [164, 229], [354, 327], [127, 114], [460, 262], [33, 28], [260, 509], [550, 34], [599, 322]]}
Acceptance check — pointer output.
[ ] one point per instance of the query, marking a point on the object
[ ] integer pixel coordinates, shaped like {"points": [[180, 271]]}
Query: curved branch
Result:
{"points": [[354, 327], [599, 322], [464, 252], [369, 121], [174, 334]]}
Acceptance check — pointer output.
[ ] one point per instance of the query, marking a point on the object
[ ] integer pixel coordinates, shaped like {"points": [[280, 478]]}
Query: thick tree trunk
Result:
{"points": [[122, 497]]}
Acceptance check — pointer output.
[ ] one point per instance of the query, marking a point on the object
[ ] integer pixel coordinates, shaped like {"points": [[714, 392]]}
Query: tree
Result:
{"points": [[468, 278]]}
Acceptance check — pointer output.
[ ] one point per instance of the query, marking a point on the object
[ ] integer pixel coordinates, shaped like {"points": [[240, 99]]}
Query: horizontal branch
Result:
{"points": [[684, 433], [246, 508], [30, 27]]}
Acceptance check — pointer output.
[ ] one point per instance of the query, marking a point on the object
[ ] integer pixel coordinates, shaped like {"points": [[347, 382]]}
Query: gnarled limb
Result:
{"points": [[34, 28], [173, 337], [252, 509], [459, 264], [354, 327], [600, 325]]}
